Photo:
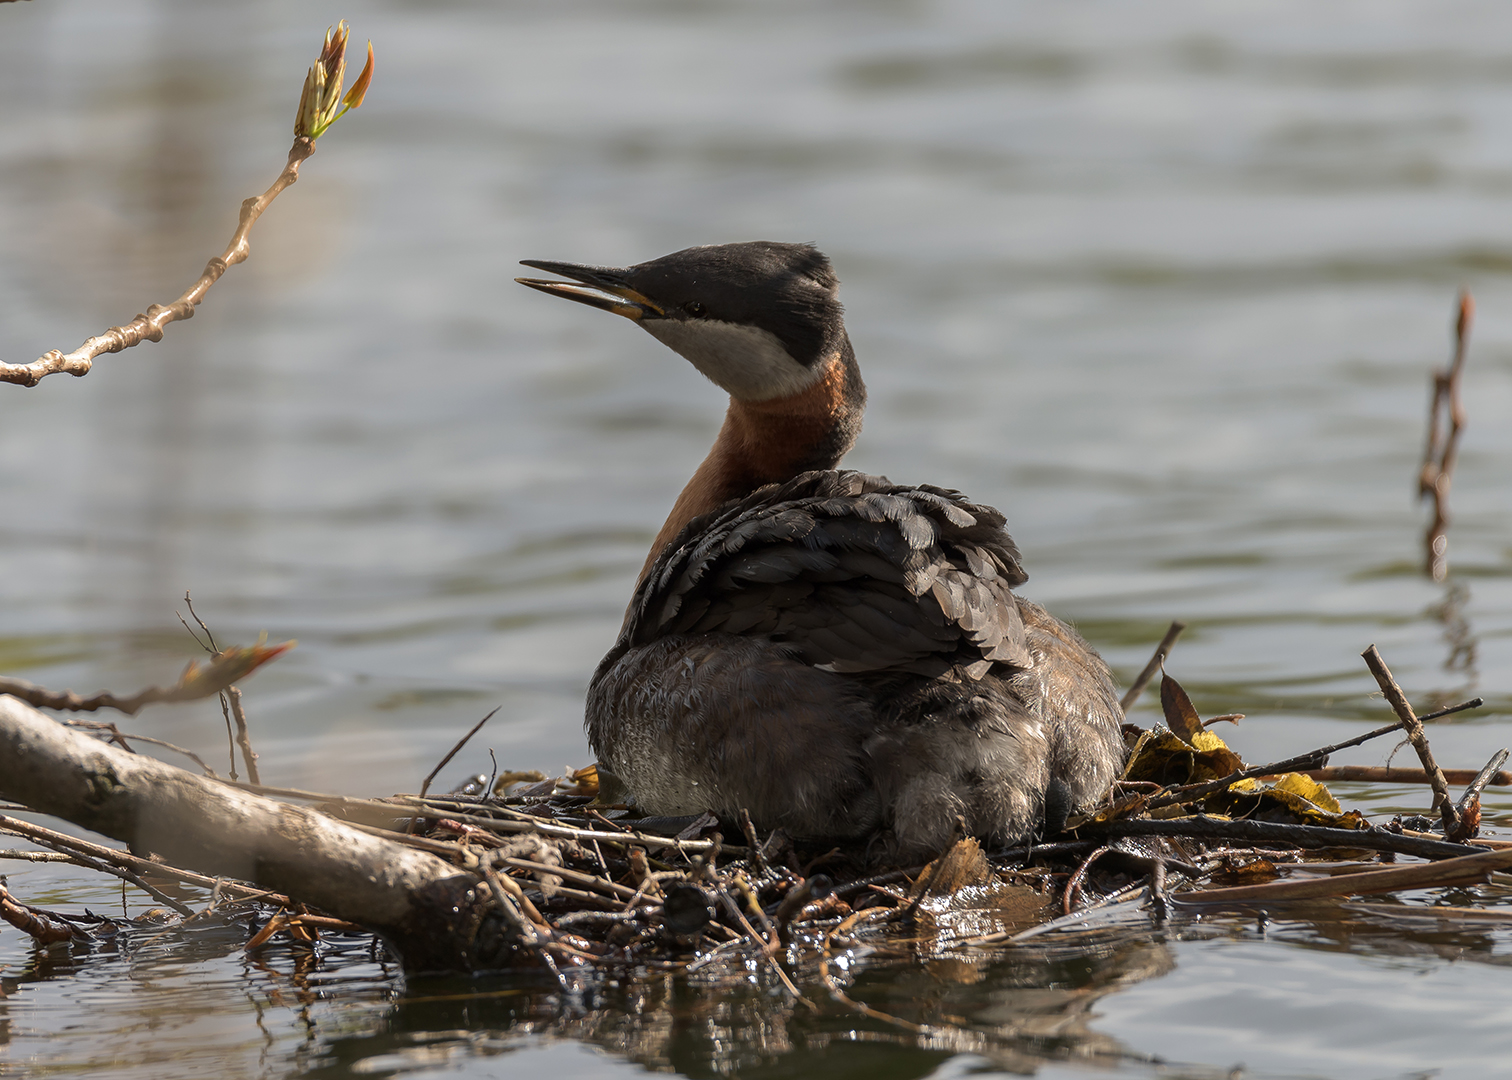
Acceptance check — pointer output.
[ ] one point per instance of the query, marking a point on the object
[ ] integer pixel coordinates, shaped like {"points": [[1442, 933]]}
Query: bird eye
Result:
{"points": [[693, 307]]}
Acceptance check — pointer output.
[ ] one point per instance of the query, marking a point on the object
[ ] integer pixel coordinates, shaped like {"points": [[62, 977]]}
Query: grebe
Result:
{"points": [[840, 655]]}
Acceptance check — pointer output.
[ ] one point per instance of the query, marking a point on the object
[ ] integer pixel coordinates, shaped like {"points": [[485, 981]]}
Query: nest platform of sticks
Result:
{"points": [[556, 877]]}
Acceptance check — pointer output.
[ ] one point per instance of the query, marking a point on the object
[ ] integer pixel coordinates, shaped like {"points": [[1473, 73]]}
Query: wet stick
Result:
{"points": [[1414, 729], [1465, 870], [1269, 832]]}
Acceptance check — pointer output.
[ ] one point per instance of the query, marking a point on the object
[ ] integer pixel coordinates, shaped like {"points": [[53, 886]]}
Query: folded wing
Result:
{"points": [[854, 573]]}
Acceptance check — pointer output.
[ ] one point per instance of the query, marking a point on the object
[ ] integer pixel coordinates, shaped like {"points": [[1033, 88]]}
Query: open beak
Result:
{"points": [[598, 286]]}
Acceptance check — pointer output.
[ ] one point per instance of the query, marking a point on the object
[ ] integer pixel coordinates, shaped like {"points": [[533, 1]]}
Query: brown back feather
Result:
{"points": [[855, 573]]}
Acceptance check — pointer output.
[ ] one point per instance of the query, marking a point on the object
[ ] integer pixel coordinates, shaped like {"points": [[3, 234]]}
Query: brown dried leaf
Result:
{"points": [[1180, 716], [1292, 798]]}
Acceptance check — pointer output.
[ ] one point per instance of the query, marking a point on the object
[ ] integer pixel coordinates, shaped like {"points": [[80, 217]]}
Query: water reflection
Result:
{"points": [[1072, 998], [1018, 1012], [1459, 635]]}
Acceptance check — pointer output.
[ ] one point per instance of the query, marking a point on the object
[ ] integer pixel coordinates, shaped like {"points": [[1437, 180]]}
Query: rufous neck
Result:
{"points": [[767, 442]]}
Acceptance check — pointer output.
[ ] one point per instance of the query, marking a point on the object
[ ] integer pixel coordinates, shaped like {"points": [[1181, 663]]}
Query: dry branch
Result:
{"points": [[1386, 774], [1487, 775], [1266, 832], [85, 852], [124, 739]]}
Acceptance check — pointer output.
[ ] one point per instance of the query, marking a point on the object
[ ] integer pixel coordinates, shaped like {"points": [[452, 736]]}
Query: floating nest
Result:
{"points": [[584, 882]]}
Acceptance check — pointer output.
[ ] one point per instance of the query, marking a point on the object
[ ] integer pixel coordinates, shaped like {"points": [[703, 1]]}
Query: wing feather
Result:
{"points": [[851, 571]]}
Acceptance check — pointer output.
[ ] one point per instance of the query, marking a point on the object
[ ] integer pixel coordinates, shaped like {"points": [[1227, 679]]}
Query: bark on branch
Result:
{"points": [[436, 917]]}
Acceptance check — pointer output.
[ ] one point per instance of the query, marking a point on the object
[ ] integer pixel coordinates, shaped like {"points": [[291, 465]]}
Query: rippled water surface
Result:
{"points": [[1164, 282]]}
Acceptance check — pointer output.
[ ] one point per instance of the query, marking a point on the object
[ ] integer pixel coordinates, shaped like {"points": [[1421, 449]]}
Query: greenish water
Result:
{"points": [[1164, 283]]}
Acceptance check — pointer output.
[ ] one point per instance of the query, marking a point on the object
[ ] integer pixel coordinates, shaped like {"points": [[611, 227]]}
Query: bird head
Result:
{"points": [[760, 319]]}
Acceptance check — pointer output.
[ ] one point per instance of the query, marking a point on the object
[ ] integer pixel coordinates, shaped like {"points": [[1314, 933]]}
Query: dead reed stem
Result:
{"points": [[1436, 474]]}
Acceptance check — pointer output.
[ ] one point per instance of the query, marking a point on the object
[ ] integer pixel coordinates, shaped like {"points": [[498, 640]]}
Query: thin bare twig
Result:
{"points": [[72, 845], [425, 785], [1073, 883], [588, 881], [150, 326], [772, 961], [1414, 728], [230, 699], [1437, 471], [321, 104], [243, 737], [40, 856], [525, 931], [120, 738], [1161, 652], [209, 643]]}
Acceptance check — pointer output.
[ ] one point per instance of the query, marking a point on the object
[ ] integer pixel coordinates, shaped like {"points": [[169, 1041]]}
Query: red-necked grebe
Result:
{"points": [[842, 656]]}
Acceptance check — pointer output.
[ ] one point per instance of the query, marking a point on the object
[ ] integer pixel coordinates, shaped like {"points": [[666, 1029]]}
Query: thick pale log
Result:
{"points": [[436, 917]]}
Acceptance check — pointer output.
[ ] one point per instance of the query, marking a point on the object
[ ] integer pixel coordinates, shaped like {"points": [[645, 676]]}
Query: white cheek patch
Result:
{"points": [[747, 361]]}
